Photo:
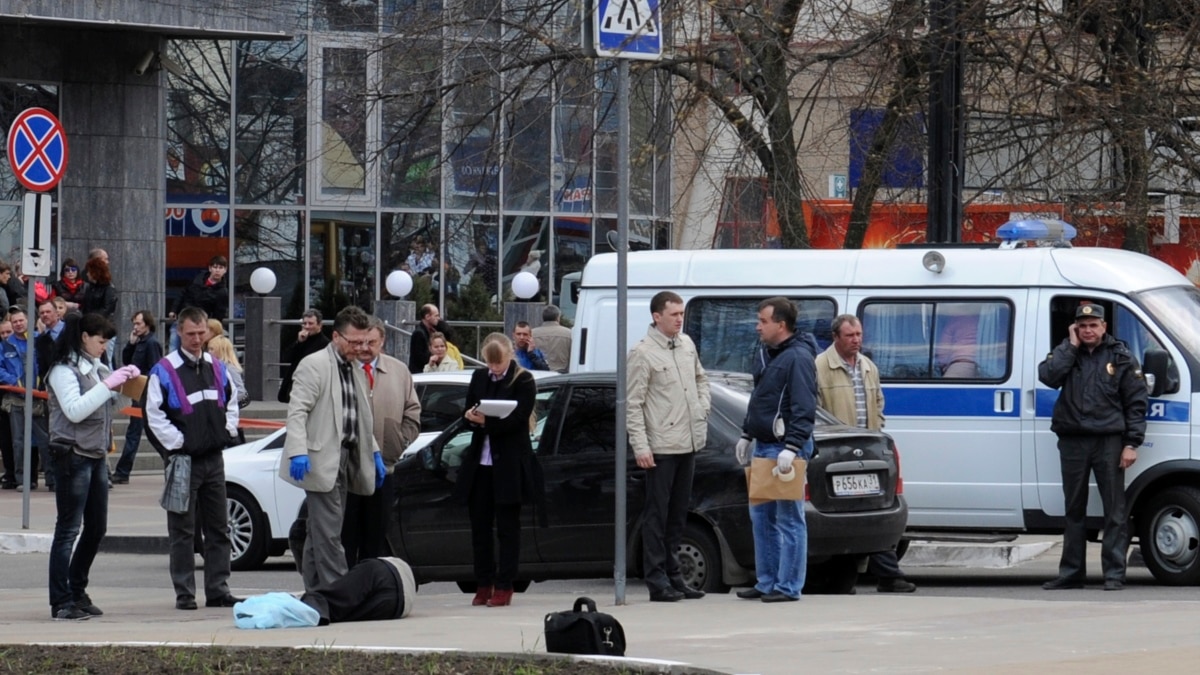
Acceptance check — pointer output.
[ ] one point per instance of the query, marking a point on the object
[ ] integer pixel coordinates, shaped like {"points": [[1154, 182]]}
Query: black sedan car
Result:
{"points": [[854, 505]]}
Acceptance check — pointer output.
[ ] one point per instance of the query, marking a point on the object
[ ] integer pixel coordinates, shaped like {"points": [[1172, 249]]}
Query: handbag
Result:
{"points": [[584, 632]]}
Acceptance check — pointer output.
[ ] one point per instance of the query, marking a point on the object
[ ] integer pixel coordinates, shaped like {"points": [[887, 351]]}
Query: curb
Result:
{"points": [[23, 542]]}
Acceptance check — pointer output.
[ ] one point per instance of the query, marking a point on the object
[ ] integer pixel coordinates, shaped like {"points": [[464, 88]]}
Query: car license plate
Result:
{"points": [[855, 484]]}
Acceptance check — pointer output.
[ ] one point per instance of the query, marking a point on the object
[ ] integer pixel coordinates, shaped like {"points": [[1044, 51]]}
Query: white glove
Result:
{"points": [[742, 450], [784, 461]]}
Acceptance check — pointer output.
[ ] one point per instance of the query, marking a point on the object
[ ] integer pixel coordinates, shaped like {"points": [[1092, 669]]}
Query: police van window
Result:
{"points": [[723, 328], [1127, 328], [959, 340]]}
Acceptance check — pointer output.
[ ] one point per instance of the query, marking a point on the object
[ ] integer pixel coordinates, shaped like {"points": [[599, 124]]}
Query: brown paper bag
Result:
{"points": [[763, 486], [133, 388]]}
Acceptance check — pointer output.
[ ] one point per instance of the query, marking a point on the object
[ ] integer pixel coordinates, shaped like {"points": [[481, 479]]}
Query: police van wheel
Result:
{"points": [[1169, 533]]}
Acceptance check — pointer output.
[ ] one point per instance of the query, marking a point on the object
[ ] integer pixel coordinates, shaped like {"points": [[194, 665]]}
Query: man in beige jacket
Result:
{"points": [[667, 402], [848, 387], [330, 448]]}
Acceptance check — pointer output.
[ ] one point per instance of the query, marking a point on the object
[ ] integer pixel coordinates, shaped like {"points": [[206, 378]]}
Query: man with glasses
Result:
{"points": [[330, 447]]}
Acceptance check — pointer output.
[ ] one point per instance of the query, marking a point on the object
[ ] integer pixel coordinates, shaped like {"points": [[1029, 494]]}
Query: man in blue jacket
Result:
{"points": [[779, 426]]}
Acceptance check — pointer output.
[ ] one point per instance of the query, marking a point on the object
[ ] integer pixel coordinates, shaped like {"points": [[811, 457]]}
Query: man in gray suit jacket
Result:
{"points": [[330, 445]]}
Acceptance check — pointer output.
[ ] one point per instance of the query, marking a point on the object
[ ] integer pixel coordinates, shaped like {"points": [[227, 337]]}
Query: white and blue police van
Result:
{"points": [[957, 333]]}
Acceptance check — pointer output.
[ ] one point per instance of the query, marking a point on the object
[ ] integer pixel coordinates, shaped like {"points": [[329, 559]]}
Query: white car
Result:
{"points": [[262, 506]]}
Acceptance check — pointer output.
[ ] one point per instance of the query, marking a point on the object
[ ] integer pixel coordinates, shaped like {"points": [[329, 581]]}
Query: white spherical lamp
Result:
{"points": [[399, 283], [262, 280], [524, 285]]}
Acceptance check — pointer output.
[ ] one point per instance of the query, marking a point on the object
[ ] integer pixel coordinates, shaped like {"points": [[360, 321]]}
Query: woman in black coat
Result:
{"points": [[499, 471]]}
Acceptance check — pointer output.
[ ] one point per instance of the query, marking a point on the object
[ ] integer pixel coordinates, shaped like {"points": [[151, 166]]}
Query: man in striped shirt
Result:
{"points": [[848, 387]]}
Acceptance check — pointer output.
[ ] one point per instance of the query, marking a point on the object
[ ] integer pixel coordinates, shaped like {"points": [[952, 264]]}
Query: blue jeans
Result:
{"points": [[780, 536], [133, 438], [82, 496]]}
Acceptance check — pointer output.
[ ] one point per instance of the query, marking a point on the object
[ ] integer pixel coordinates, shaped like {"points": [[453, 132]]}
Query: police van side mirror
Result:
{"points": [[1162, 375]]}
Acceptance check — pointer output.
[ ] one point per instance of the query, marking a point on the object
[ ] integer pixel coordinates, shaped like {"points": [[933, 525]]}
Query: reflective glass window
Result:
{"points": [[724, 328], [411, 166], [471, 145], [342, 266], [472, 246], [343, 121], [274, 240], [198, 109], [526, 249], [573, 128], [346, 15], [272, 99], [966, 340], [527, 183]]}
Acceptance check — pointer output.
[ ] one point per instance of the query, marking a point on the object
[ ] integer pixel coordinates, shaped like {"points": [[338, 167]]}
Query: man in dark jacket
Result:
{"points": [[779, 425], [143, 350], [209, 291], [309, 340], [418, 350], [191, 409], [1100, 420]]}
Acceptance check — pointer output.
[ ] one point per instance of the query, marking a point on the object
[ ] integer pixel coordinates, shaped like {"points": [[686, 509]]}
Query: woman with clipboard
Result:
{"points": [[499, 471]]}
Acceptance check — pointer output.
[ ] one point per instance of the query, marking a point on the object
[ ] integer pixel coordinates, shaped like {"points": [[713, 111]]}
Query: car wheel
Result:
{"points": [[1169, 533], [700, 559], [836, 576], [247, 530]]}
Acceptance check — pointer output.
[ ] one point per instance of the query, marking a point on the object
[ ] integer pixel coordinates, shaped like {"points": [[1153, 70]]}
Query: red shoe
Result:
{"points": [[483, 596], [501, 597]]}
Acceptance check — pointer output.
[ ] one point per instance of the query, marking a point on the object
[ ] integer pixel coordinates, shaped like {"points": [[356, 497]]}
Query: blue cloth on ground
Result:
{"points": [[274, 610]]}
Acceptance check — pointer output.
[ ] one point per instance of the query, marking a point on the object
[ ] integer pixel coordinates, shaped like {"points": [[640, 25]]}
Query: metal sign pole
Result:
{"points": [[27, 442], [622, 319]]}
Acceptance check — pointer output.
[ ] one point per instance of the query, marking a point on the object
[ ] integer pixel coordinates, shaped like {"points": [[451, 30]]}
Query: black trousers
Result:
{"points": [[664, 517], [6, 450], [884, 565], [493, 523], [370, 591], [1099, 455], [365, 523]]}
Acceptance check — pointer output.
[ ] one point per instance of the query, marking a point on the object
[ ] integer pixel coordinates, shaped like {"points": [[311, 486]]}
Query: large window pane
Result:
{"points": [[412, 120], [343, 121], [342, 265], [573, 139], [605, 188], [411, 17], [472, 128], [15, 97], [572, 249], [966, 340], [723, 328], [526, 249], [346, 15], [274, 240], [194, 234], [271, 122], [527, 169], [642, 143], [472, 245], [198, 120]]}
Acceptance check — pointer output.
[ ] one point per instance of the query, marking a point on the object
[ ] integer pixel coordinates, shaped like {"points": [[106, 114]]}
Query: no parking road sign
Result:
{"points": [[37, 149]]}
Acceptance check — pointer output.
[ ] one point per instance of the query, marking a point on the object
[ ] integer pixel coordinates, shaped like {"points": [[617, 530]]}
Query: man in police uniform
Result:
{"points": [[1100, 419]]}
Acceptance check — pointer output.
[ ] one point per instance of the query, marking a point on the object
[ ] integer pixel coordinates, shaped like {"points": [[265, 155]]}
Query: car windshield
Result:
{"points": [[1177, 309]]}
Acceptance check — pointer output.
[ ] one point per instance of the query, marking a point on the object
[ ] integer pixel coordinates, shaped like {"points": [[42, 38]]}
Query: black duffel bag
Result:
{"points": [[584, 632]]}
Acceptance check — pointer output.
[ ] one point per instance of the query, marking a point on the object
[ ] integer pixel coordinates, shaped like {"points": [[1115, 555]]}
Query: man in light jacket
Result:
{"points": [[848, 387], [330, 446], [667, 401]]}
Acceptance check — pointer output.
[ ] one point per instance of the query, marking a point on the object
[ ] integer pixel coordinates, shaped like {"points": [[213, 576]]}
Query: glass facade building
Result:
{"points": [[404, 135]]}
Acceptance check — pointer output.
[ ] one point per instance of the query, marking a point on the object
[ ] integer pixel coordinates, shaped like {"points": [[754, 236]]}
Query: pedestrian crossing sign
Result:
{"points": [[627, 29]]}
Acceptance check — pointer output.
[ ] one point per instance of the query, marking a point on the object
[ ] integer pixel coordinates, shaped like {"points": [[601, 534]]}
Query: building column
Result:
{"points": [[262, 347]]}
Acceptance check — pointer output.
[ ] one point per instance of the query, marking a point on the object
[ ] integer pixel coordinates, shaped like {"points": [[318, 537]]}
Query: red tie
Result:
{"points": [[370, 375]]}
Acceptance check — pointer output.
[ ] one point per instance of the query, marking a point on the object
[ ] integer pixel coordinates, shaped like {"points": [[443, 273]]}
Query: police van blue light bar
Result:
{"points": [[1045, 232]]}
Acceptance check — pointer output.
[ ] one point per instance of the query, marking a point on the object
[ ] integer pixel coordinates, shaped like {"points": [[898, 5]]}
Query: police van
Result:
{"points": [[957, 333]]}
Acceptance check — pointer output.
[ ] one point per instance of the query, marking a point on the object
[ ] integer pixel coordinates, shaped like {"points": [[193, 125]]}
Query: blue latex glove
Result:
{"points": [[299, 468], [380, 471]]}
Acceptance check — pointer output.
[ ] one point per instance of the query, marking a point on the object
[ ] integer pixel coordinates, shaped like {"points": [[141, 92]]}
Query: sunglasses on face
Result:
{"points": [[70, 269]]}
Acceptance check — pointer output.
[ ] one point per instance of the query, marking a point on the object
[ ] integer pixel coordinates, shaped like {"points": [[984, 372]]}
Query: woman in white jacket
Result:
{"points": [[82, 392]]}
